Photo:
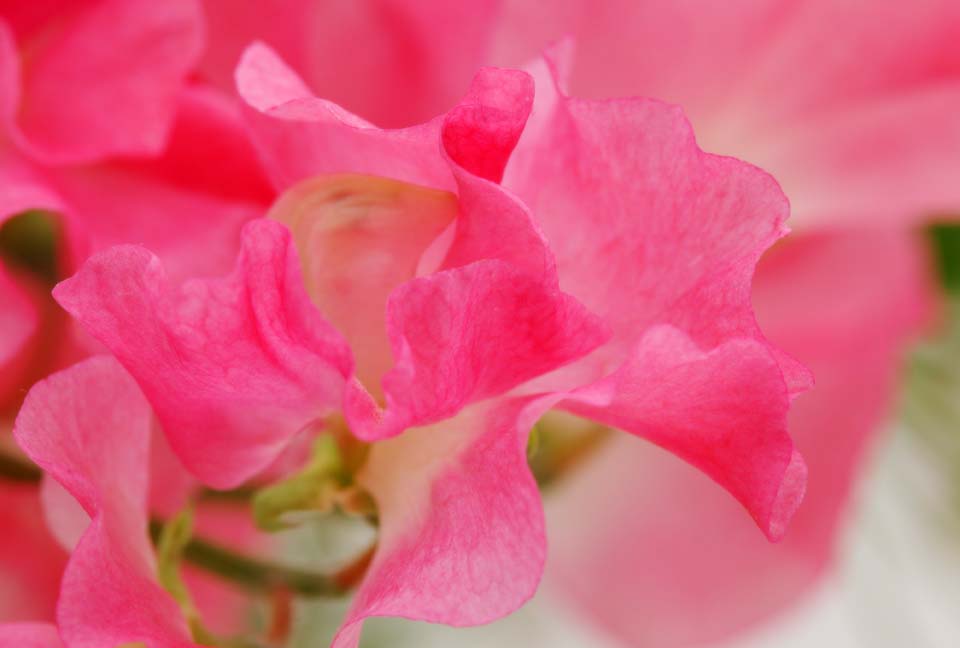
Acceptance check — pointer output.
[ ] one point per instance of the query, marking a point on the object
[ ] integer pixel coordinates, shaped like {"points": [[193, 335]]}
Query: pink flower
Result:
{"points": [[852, 107], [403, 243]]}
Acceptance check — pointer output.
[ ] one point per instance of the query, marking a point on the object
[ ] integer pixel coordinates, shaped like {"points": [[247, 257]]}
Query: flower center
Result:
{"points": [[358, 238]]}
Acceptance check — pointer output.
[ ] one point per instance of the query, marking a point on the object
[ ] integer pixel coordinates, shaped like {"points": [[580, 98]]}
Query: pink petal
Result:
{"points": [[646, 227], [234, 367], [408, 61], [461, 524], [470, 333], [89, 427], [300, 136], [196, 195], [480, 132], [100, 79], [29, 635], [724, 411], [661, 240], [648, 568], [208, 151]]}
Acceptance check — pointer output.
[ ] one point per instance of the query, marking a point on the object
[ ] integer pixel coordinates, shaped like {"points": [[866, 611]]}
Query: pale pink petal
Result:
{"points": [[234, 367], [358, 238], [29, 635], [98, 79], [677, 563], [408, 61], [461, 524], [89, 427], [65, 517]]}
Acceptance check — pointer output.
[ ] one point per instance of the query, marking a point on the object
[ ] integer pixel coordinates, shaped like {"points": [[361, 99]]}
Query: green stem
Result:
{"points": [[250, 573]]}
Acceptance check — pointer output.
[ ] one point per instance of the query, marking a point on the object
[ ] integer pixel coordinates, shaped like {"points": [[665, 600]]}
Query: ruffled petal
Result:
{"points": [[470, 333], [300, 136], [234, 367], [461, 523], [661, 239], [723, 411], [29, 635], [657, 232], [89, 427], [98, 79], [649, 568], [453, 334]]}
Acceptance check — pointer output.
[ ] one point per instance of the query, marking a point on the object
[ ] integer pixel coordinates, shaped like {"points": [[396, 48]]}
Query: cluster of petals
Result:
{"points": [[444, 285], [522, 252]]}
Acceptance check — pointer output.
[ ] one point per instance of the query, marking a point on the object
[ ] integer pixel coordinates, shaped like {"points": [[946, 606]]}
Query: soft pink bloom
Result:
{"points": [[656, 238]]}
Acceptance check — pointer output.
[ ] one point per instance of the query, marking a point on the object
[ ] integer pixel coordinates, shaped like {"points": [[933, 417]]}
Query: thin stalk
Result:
{"points": [[248, 572]]}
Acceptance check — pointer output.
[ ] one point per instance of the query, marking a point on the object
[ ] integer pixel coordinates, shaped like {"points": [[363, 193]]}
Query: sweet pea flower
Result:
{"points": [[441, 313], [852, 106]]}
